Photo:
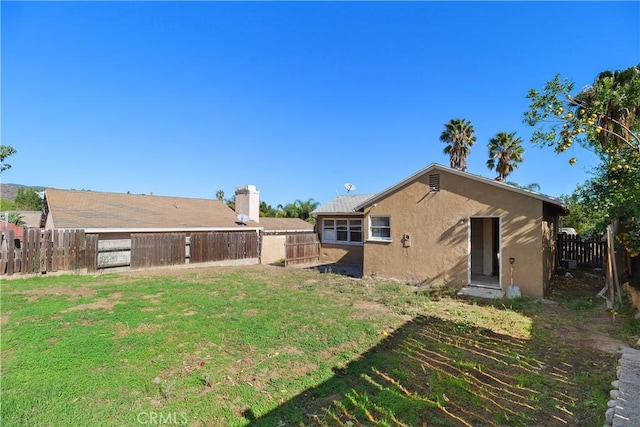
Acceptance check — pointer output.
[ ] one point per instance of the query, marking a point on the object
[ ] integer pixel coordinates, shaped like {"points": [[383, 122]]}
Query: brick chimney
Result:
{"points": [[248, 202]]}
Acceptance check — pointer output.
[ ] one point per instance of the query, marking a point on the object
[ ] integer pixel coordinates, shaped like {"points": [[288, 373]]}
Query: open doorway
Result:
{"points": [[484, 252]]}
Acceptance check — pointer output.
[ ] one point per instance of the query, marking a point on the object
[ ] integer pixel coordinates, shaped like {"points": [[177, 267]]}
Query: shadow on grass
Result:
{"points": [[436, 372]]}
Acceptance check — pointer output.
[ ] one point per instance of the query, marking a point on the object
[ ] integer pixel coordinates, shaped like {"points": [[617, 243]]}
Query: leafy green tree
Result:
{"points": [[604, 117], [7, 205], [5, 152], [582, 216], [220, 195], [28, 199], [505, 154], [458, 134]]}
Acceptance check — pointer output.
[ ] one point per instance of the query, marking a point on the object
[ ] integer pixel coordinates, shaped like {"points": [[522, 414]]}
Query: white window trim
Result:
{"points": [[343, 242], [371, 237]]}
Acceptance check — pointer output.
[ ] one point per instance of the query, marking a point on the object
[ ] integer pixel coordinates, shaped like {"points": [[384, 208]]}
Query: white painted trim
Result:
{"points": [[469, 218], [370, 237], [341, 243], [335, 228]]}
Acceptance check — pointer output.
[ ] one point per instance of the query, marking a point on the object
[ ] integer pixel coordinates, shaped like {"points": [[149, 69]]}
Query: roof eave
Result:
{"points": [[352, 213], [433, 166]]}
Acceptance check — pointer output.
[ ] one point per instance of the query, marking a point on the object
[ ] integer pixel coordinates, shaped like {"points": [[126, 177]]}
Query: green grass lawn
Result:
{"points": [[268, 346]]}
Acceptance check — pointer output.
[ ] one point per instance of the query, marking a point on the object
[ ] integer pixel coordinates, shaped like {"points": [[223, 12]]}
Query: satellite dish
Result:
{"points": [[349, 186], [243, 219]]}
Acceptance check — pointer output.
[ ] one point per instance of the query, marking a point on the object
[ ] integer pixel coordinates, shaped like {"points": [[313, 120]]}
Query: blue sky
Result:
{"points": [[297, 98]]}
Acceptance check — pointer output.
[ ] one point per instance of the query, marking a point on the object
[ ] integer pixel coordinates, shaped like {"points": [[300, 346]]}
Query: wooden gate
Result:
{"points": [[589, 252], [301, 249]]}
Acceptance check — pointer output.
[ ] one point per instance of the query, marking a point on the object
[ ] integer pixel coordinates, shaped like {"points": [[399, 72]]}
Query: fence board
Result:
{"points": [[91, 254], [11, 252], [47, 251], [3, 253], [13, 261]]}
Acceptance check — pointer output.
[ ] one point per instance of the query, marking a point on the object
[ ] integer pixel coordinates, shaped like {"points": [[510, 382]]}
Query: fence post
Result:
{"points": [[91, 254]]}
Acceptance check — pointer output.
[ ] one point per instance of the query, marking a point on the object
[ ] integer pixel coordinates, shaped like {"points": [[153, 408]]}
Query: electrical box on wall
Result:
{"points": [[406, 240]]}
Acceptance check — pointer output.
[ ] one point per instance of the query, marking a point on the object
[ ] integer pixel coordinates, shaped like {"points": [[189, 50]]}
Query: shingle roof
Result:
{"points": [[343, 204], [285, 224], [90, 209], [31, 218]]}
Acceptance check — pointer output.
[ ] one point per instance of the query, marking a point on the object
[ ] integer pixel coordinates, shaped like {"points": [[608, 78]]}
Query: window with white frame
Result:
{"points": [[380, 228], [342, 230]]}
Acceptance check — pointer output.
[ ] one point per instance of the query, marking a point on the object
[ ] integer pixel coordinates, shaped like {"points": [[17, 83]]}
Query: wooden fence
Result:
{"points": [[157, 249], [42, 251], [221, 246], [587, 252], [301, 249]]}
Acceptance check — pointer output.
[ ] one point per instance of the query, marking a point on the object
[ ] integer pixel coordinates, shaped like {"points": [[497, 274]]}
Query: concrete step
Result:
{"points": [[480, 292]]}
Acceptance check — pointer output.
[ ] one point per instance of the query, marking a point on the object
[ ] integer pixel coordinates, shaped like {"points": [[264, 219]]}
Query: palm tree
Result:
{"points": [[298, 209], [505, 154], [267, 210], [16, 218], [534, 186], [458, 134]]}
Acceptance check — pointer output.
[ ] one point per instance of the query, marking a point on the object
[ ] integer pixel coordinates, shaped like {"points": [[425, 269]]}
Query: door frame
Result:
{"points": [[497, 232]]}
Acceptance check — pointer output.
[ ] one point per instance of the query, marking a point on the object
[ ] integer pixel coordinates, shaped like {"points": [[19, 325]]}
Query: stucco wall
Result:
{"points": [[338, 253], [439, 226], [272, 249], [344, 254]]}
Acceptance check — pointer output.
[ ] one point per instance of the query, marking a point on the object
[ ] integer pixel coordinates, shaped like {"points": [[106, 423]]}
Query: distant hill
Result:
{"points": [[10, 191]]}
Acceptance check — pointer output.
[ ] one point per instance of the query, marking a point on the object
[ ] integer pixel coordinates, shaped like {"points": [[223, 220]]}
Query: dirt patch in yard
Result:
{"points": [[32, 295], [572, 311], [585, 329], [101, 304], [123, 330], [369, 310]]}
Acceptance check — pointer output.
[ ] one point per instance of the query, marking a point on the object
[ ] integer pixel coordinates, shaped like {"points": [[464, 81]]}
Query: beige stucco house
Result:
{"points": [[442, 226]]}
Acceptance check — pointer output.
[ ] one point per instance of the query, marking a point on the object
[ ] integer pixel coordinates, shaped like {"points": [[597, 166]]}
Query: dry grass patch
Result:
{"points": [[72, 294], [101, 304]]}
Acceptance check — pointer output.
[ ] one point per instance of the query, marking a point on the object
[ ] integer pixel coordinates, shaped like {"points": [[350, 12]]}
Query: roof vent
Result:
{"points": [[434, 182]]}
